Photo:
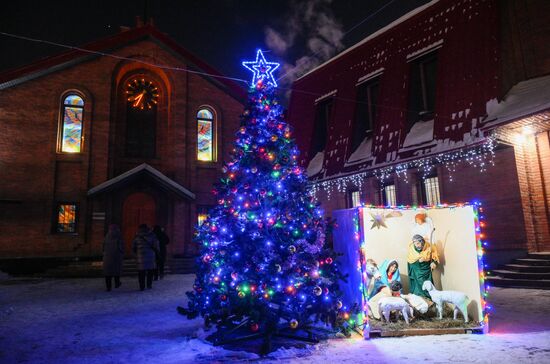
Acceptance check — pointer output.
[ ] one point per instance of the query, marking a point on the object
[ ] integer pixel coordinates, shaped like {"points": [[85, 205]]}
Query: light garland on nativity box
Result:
{"points": [[363, 316], [479, 223], [480, 156]]}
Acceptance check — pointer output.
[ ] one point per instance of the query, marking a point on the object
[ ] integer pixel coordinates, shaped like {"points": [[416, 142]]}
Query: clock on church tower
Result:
{"points": [[142, 94]]}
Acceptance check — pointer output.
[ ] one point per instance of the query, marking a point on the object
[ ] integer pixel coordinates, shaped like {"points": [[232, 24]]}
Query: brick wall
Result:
{"points": [[34, 176], [524, 34], [532, 157]]}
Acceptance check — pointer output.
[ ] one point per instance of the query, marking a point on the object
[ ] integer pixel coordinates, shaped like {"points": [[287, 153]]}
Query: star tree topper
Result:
{"points": [[262, 69]]}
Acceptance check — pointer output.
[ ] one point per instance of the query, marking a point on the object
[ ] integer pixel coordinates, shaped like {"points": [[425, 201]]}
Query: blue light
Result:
{"points": [[262, 69]]}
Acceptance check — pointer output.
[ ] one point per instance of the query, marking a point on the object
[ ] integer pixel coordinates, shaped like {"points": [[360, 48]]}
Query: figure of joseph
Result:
{"points": [[422, 260]]}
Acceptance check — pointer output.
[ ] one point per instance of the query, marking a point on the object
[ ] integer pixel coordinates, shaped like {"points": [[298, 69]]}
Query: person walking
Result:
{"points": [[161, 258], [113, 253], [145, 247]]}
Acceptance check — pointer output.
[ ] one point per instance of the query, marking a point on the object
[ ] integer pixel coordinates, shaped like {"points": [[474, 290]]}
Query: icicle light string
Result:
{"points": [[480, 157]]}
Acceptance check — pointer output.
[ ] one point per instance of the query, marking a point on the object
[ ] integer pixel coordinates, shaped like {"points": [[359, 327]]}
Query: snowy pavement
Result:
{"points": [[76, 321]]}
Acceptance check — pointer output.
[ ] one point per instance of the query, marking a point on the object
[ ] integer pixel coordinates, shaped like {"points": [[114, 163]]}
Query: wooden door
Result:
{"points": [[139, 208]]}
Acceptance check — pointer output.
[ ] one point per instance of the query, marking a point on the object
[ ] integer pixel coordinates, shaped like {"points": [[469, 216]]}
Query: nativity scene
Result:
{"points": [[420, 269]]}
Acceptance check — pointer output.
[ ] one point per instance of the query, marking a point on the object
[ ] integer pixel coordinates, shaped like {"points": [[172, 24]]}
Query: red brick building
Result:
{"points": [[131, 132], [406, 117]]}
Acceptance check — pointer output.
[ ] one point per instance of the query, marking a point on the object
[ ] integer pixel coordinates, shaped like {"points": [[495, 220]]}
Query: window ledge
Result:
{"points": [[208, 165], [70, 157]]}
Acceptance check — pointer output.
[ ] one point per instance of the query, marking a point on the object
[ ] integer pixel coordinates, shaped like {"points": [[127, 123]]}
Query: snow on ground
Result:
{"points": [[76, 321]]}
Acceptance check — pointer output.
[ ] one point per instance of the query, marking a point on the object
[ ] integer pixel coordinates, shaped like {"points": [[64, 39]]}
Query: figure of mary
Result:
{"points": [[389, 271], [422, 259]]}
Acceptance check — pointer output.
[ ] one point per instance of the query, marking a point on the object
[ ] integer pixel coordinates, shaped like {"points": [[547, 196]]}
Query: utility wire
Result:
{"points": [[172, 68], [180, 69]]}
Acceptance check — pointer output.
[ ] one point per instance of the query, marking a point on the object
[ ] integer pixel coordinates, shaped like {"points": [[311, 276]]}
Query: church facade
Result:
{"points": [[131, 131]]}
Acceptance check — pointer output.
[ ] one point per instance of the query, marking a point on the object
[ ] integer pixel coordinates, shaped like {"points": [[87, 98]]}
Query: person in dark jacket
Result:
{"points": [[113, 253], [161, 258], [145, 246]]}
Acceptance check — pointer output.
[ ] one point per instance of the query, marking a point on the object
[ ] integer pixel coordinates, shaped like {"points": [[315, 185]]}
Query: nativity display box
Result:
{"points": [[413, 271]]}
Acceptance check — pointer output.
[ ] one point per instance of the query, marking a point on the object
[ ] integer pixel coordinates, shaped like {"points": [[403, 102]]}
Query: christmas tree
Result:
{"points": [[263, 259]]}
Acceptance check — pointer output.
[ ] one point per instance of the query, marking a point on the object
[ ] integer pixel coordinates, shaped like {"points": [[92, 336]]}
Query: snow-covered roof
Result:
{"points": [[524, 99], [363, 151], [409, 15], [316, 164], [139, 170], [420, 133]]}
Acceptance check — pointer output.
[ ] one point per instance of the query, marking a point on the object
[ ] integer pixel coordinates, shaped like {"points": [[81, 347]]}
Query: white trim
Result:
{"points": [[373, 35], [142, 167], [325, 96], [369, 76], [423, 51]]}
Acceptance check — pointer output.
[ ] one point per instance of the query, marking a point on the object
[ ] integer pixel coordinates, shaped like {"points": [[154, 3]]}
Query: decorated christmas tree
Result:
{"points": [[263, 260]]}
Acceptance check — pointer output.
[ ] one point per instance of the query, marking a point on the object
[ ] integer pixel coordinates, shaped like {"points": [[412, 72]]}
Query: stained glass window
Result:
{"points": [[205, 135], [66, 218], [202, 214], [71, 133]]}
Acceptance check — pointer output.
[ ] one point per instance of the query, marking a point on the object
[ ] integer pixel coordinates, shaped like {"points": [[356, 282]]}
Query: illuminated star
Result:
{"points": [[377, 221], [262, 69]]}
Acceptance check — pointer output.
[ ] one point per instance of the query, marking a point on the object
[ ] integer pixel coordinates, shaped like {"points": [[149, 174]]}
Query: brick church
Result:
{"points": [[404, 118], [133, 131]]}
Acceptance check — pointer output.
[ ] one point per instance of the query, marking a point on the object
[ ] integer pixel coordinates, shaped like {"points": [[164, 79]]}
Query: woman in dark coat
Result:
{"points": [[146, 247], [113, 253]]}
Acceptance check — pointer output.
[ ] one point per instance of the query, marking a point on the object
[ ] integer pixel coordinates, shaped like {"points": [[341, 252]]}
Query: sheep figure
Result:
{"points": [[459, 299], [416, 302], [389, 304]]}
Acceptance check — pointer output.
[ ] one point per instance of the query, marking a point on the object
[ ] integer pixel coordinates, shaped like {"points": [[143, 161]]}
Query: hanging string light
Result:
{"points": [[480, 156]]}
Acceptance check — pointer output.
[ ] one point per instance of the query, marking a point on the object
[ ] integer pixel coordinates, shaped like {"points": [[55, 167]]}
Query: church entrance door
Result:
{"points": [[139, 208]]}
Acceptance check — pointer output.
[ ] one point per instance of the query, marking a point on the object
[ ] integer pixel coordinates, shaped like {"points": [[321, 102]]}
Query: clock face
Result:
{"points": [[142, 94]]}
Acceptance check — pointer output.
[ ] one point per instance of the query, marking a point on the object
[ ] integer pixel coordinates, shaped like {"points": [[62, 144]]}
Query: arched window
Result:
{"points": [[205, 136], [70, 136]]}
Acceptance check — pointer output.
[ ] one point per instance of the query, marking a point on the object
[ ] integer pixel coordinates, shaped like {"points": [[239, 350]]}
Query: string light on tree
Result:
{"points": [[262, 244]]}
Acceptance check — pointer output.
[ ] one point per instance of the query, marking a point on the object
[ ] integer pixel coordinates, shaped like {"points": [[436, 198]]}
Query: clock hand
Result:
{"points": [[138, 98]]}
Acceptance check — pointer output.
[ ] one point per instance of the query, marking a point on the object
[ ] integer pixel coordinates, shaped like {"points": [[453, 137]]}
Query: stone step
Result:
{"points": [[520, 275], [526, 268], [529, 261], [539, 255], [518, 283]]}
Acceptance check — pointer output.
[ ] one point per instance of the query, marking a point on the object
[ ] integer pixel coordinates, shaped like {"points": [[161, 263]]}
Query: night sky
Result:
{"points": [[222, 32]]}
